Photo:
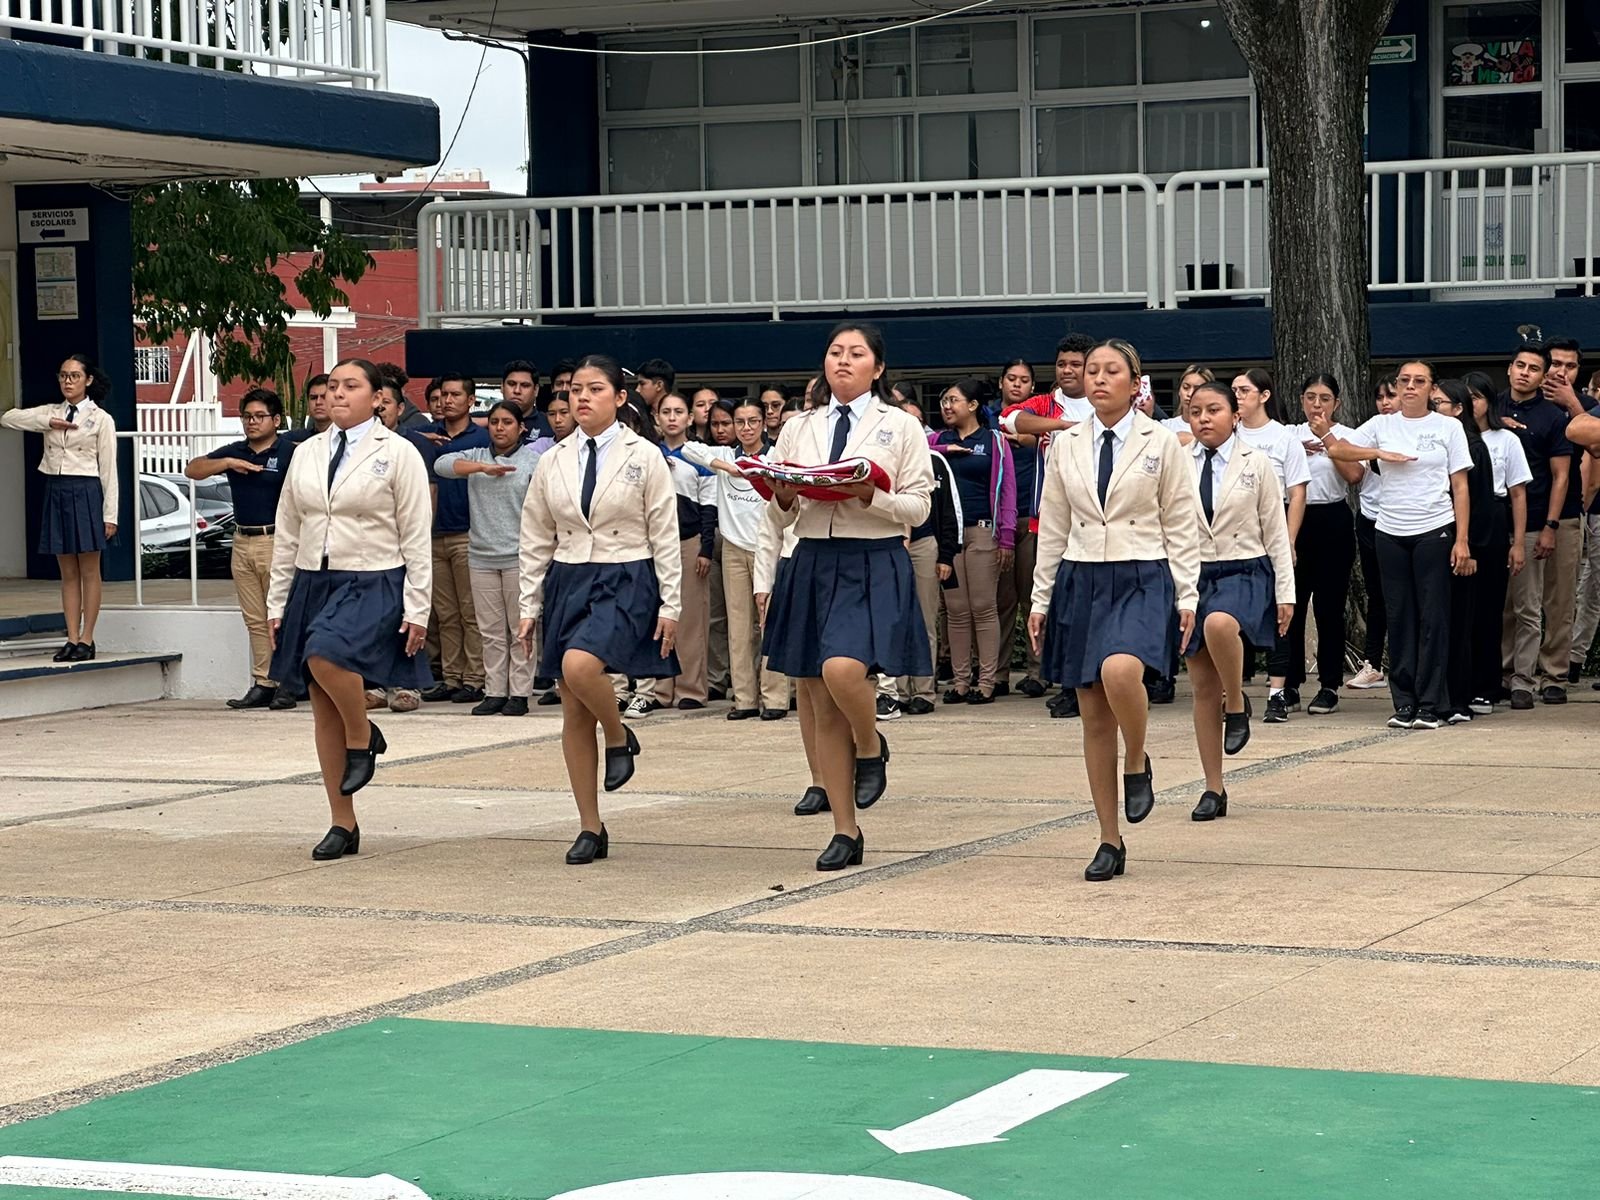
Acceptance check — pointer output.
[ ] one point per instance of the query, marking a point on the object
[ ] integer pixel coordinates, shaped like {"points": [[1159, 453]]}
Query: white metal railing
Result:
{"points": [[1520, 225], [331, 41], [1011, 241], [172, 434], [141, 452]]}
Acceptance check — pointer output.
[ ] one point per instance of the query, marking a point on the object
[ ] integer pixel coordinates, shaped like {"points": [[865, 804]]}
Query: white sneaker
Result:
{"points": [[1367, 677], [640, 707], [1481, 706], [1460, 718]]}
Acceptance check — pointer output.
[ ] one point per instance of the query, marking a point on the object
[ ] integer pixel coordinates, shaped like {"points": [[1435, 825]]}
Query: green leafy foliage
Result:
{"points": [[204, 254]]}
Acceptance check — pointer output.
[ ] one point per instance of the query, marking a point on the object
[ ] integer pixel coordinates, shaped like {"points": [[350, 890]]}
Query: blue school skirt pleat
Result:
{"points": [[352, 619], [1100, 609], [1245, 589], [609, 610]]}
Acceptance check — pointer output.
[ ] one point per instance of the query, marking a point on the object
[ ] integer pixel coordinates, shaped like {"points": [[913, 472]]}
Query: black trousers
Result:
{"points": [[1416, 593], [1377, 616], [1324, 553], [1494, 580]]}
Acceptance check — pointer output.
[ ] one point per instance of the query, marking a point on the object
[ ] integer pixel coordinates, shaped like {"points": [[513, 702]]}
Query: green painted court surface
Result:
{"points": [[482, 1112]]}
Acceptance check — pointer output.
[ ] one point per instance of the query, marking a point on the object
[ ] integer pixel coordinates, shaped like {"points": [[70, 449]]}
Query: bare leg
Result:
{"points": [[578, 746], [89, 582], [1226, 652], [856, 697], [1122, 678], [583, 676], [71, 594], [1100, 757], [348, 693], [836, 755], [808, 733], [1208, 712], [329, 724]]}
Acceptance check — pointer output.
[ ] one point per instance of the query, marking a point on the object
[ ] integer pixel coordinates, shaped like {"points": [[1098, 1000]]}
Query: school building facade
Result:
{"points": [[980, 183]]}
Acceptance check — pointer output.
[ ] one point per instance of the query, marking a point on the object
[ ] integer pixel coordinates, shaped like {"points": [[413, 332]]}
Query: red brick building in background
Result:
{"points": [[383, 217]]}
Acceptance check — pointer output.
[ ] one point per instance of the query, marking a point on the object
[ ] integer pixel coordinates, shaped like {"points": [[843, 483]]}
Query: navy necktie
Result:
{"points": [[590, 473], [841, 433], [1205, 486], [338, 457], [72, 413], [1108, 452]]}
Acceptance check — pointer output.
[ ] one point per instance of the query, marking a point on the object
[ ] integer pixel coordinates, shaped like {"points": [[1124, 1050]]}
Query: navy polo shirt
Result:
{"points": [[452, 515], [974, 473], [1543, 438], [255, 493]]}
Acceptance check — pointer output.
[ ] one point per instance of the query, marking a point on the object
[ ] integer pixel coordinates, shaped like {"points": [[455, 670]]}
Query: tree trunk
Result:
{"points": [[1309, 59]]}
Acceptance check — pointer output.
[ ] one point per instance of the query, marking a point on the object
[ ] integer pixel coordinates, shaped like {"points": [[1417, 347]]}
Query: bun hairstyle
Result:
{"points": [[96, 386], [629, 414], [1126, 351], [873, 336], [375, 377]]}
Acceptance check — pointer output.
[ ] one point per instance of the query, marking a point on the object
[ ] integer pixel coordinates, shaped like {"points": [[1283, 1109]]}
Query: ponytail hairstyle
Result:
{"points": [[976, 390], [873, 336], [1261, 379], [1124, 349], [375, 377], [96, 386], [608, 367], [1213, 388], [505, 406], [1461, 395]]}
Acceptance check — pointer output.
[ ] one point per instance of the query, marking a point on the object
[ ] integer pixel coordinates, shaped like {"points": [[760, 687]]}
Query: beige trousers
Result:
{"points": [[252, 573], [507, 669], [693, 631], [1533, 658], [753, 685], [460, 646], [972, 607]]}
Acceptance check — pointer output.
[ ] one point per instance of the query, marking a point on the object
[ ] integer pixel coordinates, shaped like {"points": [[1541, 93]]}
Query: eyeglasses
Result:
{"points": [[255, 416], [752, 422], [71, 376], [1413, 381]]}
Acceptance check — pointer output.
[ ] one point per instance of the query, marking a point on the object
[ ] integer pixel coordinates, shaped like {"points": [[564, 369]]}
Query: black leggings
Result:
{"points": [[1494, 579], [1324, 554], [1416, 591], [1377, 617]]}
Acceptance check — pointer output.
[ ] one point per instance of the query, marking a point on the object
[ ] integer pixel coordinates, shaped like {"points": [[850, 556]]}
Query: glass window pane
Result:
{"points": [[769, 78], [1488, 44], [1078, 52], [1197, 135], [637, 81], [878, 150], [964, 60], [1492, 123], [1089, 140], [872, 68], [1583, 31], [1582, 109], [980, 145], [753, 154], [1189, 44], [661, 158]]}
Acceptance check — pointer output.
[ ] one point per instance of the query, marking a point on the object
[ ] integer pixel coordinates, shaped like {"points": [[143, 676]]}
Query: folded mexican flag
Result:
{"points": [[815, 483]]}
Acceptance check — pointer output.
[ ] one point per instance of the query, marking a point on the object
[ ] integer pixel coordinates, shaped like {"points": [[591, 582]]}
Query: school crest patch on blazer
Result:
{"points": [[633, 473], [1247, 482], [1152, 464], [380, 467], [885, 437]]}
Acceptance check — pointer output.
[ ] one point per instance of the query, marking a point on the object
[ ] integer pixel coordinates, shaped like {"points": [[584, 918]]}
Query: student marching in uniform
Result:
{"points": [[848, 607], [601, 562], [79, 464], [695, 486], [1246, 580], [497, 478], [740, 511], [1259, 426], [1422, 539], [1325, 551], [1509, 465], [352, 579], [256, 469], [1119, 548]]}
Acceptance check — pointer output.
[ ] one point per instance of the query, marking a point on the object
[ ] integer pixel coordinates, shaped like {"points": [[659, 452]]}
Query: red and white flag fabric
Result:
{"points": [[815, 483]]}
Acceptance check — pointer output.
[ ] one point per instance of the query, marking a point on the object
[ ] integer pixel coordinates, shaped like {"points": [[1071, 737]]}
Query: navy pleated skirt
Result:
{"points": [[846, 598], [74, 515], [352, 619], [609, 610], [1101, 609], [1245, 589]]}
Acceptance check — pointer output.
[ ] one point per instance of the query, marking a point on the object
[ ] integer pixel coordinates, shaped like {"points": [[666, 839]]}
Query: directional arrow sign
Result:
{"points": [[145, 1179], [984, 1118], [1395, 49]]}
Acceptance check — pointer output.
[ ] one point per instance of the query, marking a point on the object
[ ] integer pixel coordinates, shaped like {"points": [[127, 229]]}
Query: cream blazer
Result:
{"points": [[633, 516], [1248, 519], [886, 436], [378, 516], [1152, 509], [90, 449]]}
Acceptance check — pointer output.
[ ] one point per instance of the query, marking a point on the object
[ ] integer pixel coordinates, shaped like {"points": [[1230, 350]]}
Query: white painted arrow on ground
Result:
{"points": [[206, 1182], [982, 1119]]}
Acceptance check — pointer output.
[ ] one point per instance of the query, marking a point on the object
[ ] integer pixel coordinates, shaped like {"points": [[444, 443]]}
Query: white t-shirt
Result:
{"points": [[1371, 490], [1283, 447], [740, 507], [1416, 495], [1178, 425], [1327, 485], [1509, 459]]}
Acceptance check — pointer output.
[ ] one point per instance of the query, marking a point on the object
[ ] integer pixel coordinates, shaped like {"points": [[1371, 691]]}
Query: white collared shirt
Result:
{"points": [[858, 411], [352, 439], [1219, 464], [1119, 434], [602, 441]]}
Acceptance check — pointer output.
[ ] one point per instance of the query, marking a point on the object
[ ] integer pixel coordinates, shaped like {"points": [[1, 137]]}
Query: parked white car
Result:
{"points": [[164, 516]]}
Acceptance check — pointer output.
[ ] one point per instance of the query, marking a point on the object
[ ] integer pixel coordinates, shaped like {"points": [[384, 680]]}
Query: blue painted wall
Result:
{"points": [[103, 330]]}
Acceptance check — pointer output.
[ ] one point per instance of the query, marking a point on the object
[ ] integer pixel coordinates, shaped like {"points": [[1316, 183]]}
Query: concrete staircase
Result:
{"points": [[32, 685]]}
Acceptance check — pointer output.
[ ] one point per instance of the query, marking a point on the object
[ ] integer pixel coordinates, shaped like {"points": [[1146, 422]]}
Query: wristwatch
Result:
{"points": [[1552, 525]]}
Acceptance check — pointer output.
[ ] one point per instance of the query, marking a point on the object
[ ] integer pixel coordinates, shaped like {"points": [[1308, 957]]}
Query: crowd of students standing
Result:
{"points": [[1208, 537]]}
